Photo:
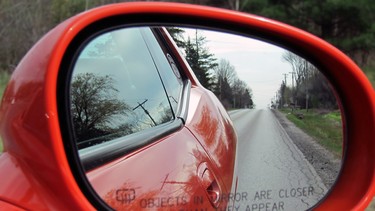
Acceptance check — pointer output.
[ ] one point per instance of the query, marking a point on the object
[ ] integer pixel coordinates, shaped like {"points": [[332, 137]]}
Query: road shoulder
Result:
{"points": [[325, 163]]}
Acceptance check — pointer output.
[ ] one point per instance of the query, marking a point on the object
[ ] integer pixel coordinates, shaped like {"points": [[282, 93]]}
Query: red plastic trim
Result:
{"points": [[355, 186]]}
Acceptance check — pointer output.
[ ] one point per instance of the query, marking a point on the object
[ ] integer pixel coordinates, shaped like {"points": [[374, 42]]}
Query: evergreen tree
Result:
{"points": [[200, 60], [347, 24], [177, 35]]}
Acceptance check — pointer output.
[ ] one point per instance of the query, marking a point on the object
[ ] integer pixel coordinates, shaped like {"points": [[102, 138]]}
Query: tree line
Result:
{"points": [[307, 89], [347, 24], [220, 77], [24, 22]]}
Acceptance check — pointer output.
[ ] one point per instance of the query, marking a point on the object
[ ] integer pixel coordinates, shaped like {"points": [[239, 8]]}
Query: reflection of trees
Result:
{"points": [[166, 114], [104, 49], [231, 91], [309, 87], [95, 106]]}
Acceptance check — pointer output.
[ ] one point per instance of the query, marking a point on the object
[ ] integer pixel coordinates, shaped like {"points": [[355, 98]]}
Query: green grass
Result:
{"points": [[4, 78], [324, 126], [370, 73]]}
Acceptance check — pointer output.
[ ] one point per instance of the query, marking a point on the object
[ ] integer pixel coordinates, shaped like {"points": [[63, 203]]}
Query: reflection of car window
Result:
{"points": [[171, 78], [116, 86]]}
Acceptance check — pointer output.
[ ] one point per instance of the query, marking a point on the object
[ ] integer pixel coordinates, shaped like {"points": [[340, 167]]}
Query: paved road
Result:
{"points": [[273, 173]]}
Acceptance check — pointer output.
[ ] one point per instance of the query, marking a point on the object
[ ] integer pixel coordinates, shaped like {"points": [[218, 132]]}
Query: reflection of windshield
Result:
{"points": [[125, 72]]}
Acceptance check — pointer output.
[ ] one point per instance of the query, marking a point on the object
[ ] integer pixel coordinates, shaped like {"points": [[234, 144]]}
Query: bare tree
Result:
{"points": [[242, 94], [231, 91], [95, 106], [309, 86], [225, 70], [24, 22], [300, 73]]}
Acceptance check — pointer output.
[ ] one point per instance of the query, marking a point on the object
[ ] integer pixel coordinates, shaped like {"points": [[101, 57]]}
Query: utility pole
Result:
{"points": [[292, 79], [307, 101], [140, 105], [282, 91], [306, 87], [220, 88], [293, 91], [276, 101], [285, 75]]}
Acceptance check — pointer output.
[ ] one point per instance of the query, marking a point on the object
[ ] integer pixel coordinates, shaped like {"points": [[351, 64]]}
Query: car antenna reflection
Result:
{"points": [[140, 105]]}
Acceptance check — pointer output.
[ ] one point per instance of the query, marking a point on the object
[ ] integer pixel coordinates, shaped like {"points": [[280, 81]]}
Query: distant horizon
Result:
{"points": [[257, 63]]}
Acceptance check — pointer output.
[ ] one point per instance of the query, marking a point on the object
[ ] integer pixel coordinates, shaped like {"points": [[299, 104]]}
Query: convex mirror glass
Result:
{"points": [[127, 82]]}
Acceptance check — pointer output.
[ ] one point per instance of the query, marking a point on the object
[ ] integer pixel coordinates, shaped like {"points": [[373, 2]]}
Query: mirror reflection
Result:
{"points": [[109, 100], [129, 83]]}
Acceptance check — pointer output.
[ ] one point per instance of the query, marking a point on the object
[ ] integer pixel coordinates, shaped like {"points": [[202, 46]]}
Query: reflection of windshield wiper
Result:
{"points": [[141, 105]]}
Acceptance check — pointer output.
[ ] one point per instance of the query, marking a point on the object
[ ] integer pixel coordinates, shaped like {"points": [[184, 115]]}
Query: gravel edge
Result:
{"points": [[325, 163]]}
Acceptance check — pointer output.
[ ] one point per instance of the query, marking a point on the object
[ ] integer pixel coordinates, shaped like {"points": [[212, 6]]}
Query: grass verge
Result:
{"points": [[370, 73], [4, 78], [324, 126]]}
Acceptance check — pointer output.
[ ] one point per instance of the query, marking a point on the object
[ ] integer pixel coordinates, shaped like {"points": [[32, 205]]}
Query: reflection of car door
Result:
{"points": [[211, 125], [159, 163]]}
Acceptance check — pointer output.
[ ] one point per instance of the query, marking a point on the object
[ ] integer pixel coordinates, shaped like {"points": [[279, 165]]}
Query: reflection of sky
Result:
{"points": [[257, 63], [132, 69]]}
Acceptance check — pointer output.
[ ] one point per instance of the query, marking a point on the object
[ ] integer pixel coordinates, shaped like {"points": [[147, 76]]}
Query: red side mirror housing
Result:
{"points": [[42, 171]]}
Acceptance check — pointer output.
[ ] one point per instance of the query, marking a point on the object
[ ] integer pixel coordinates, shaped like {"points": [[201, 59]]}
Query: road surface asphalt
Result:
{"points": [[273, 173]]}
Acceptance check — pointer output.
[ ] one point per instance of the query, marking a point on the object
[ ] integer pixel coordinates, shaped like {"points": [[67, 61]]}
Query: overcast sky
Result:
{"points": [[257, 63]]}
